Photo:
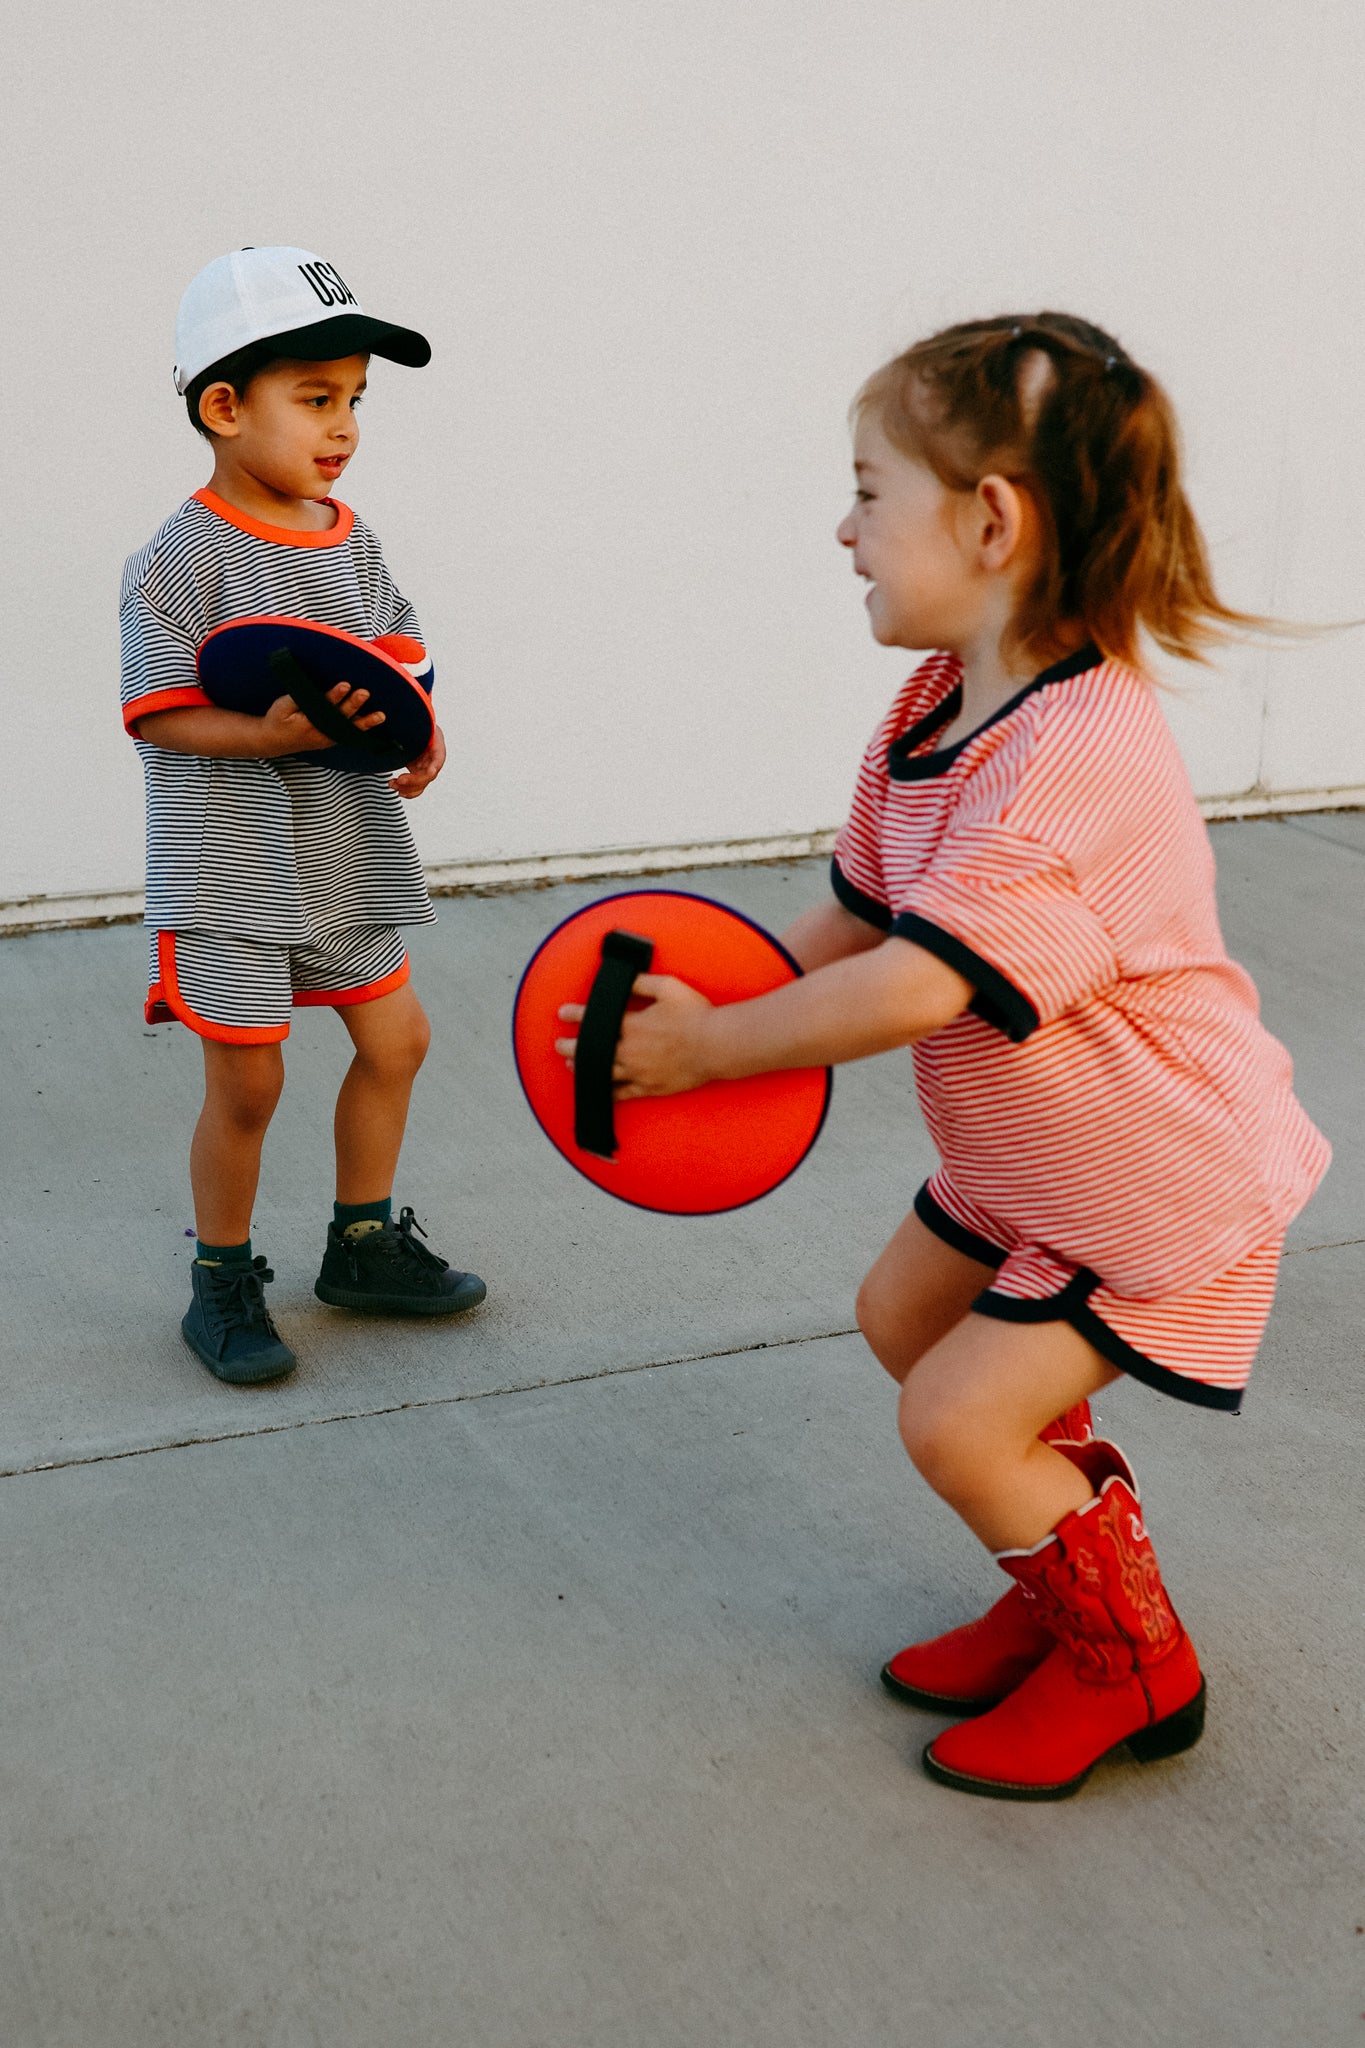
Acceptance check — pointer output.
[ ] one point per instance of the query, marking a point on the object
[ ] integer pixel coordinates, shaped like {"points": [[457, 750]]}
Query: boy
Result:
{"points": [[272, 881]]}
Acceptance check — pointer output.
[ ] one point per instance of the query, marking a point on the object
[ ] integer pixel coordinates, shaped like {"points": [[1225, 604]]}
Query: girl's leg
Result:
{"points": [[390, 1036], [970, 1414], [242, 1086], [1070, 1534], [919, 1290]]}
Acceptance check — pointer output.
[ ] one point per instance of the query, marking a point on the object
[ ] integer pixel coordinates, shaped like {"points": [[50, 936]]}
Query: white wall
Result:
{"points": [[656, 248]]}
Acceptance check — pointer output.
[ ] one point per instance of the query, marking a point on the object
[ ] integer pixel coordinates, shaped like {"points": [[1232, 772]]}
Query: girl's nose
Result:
{"points": [[843, 532]]}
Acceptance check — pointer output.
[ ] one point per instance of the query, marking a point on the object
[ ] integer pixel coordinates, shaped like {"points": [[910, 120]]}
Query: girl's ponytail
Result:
{"points": [[1057, 406]]}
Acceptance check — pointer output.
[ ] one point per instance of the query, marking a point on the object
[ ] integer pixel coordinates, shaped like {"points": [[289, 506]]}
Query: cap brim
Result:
{"points": [[353, 334]]}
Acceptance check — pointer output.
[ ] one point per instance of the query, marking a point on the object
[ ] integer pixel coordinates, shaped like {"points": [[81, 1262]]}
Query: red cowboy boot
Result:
{"points": [[1122, 1668], [1077, 1426], [973, 1667]]}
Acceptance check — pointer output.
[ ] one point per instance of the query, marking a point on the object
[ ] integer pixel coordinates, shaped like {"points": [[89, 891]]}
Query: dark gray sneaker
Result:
{"points": [[228, 1325], [386, 1272]]}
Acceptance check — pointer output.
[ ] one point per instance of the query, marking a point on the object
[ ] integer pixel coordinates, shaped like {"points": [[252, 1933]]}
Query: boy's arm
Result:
{"points": [[870, 1002], [233, 736]]}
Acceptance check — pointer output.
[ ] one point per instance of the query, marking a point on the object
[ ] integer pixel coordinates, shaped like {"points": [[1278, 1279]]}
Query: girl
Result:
{"points": [[1024, 893]]}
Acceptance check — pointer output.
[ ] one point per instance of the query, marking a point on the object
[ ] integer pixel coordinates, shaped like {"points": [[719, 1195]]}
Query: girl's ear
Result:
{"points": [[218, 409], [1003, 520]]}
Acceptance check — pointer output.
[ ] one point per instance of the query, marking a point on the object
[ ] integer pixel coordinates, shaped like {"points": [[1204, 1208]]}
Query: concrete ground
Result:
{"points": [[513, 1684]]}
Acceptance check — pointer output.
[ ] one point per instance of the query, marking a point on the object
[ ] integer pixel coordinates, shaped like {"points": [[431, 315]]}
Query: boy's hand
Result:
{"points": [[287, 731], [424, 770], [663, 1049]]}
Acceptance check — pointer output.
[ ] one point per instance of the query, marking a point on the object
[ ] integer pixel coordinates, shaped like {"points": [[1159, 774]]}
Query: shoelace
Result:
{"points": [[397, 1246], [236, 1294]]}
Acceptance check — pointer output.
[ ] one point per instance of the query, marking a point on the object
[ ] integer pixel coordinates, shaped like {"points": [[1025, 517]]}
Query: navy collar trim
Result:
{"points": [[905, 764]]}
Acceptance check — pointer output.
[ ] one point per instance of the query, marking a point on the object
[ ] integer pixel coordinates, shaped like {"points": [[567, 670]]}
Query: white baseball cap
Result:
{"points": [[289, 296]]}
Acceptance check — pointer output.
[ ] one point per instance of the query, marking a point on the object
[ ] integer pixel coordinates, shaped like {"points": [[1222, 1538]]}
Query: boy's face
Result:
{"points": [[295, 428]]}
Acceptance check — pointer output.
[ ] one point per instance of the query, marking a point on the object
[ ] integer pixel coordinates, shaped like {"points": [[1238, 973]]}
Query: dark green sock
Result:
{"points": [[358, 1219], [222, 1254]]}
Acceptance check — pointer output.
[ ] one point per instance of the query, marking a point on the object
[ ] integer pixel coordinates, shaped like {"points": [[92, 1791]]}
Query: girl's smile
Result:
{"points": [[902, 532]]}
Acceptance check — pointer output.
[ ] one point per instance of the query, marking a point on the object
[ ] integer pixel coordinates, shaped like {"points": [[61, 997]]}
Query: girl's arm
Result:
{"points": [[883, 997], [827, 933], [233, 736]]}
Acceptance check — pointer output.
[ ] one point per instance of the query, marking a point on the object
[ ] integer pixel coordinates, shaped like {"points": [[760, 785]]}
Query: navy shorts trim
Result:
{"points": [[1071, 1304], [935, 1217]]}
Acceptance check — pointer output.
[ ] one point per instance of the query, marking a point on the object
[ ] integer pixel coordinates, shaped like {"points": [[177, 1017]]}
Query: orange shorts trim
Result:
{"points": [[368, 992], [164, 997]]}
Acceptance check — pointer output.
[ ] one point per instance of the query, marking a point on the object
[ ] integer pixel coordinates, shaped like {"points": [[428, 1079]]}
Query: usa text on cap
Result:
{"points": [[288, 296]]}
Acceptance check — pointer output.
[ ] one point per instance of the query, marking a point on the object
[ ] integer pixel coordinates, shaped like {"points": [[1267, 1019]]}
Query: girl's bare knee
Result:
{"points": [[928, 1442], [889, 1326], [867, 1310], [941, 1441]]}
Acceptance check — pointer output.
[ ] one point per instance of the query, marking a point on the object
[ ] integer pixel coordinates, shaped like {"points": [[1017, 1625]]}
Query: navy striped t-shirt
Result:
{"points": [[281, 851]]}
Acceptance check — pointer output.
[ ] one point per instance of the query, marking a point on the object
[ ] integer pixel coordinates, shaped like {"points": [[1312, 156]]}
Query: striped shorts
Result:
{"points": [[1198, 1346], [241, 993]]}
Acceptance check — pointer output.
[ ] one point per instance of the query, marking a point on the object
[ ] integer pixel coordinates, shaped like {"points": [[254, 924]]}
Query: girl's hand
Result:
{"points": [[285, 730], [424, 770], [663, 1049]]}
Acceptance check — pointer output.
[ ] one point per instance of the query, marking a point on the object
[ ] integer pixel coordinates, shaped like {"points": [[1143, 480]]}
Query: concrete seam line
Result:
{"points": [[573, 1379], [21, 915]]}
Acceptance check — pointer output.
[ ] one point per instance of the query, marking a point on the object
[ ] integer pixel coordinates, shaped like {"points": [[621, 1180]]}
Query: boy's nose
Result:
{"points": [[843, 532]]}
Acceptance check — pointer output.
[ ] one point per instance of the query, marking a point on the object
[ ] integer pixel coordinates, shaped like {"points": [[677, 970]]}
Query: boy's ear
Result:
{"points": [[219, 406]]}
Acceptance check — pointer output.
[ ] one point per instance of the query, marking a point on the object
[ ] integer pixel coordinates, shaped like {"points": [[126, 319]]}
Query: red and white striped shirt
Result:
{"points": [[1110, 1094]]}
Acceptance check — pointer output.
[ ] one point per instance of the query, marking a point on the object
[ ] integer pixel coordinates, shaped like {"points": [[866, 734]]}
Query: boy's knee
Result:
{"points": [[245, 1089], [398, 1055]]}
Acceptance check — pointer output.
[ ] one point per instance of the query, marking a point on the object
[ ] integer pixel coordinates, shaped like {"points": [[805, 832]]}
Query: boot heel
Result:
{"points": [[1178, 1731]]}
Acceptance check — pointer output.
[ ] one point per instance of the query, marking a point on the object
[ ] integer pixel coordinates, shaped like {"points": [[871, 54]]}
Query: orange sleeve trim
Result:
{"points": [[402, 647], [163, 700], [167, 993], [368, 992], [282, 536]]}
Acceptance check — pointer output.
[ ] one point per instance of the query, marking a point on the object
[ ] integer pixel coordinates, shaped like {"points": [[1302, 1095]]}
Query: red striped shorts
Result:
{"points": [[1198, 1346]]}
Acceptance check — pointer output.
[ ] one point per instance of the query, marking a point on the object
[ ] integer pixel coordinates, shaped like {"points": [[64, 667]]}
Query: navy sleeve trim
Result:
{"points": [[997, 1001], [865, 907]]}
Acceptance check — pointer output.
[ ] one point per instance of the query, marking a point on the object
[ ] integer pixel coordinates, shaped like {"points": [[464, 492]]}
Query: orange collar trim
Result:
{"points": [[283, 536]]}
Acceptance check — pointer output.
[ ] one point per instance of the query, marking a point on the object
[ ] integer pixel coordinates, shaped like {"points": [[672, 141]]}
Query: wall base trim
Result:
{"points": [[1266, 803], [68, 913], [541, 871]]}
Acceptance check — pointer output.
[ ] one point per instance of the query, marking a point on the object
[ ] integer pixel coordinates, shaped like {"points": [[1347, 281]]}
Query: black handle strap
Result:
{"points": [[623, 957], [331, 722]]}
